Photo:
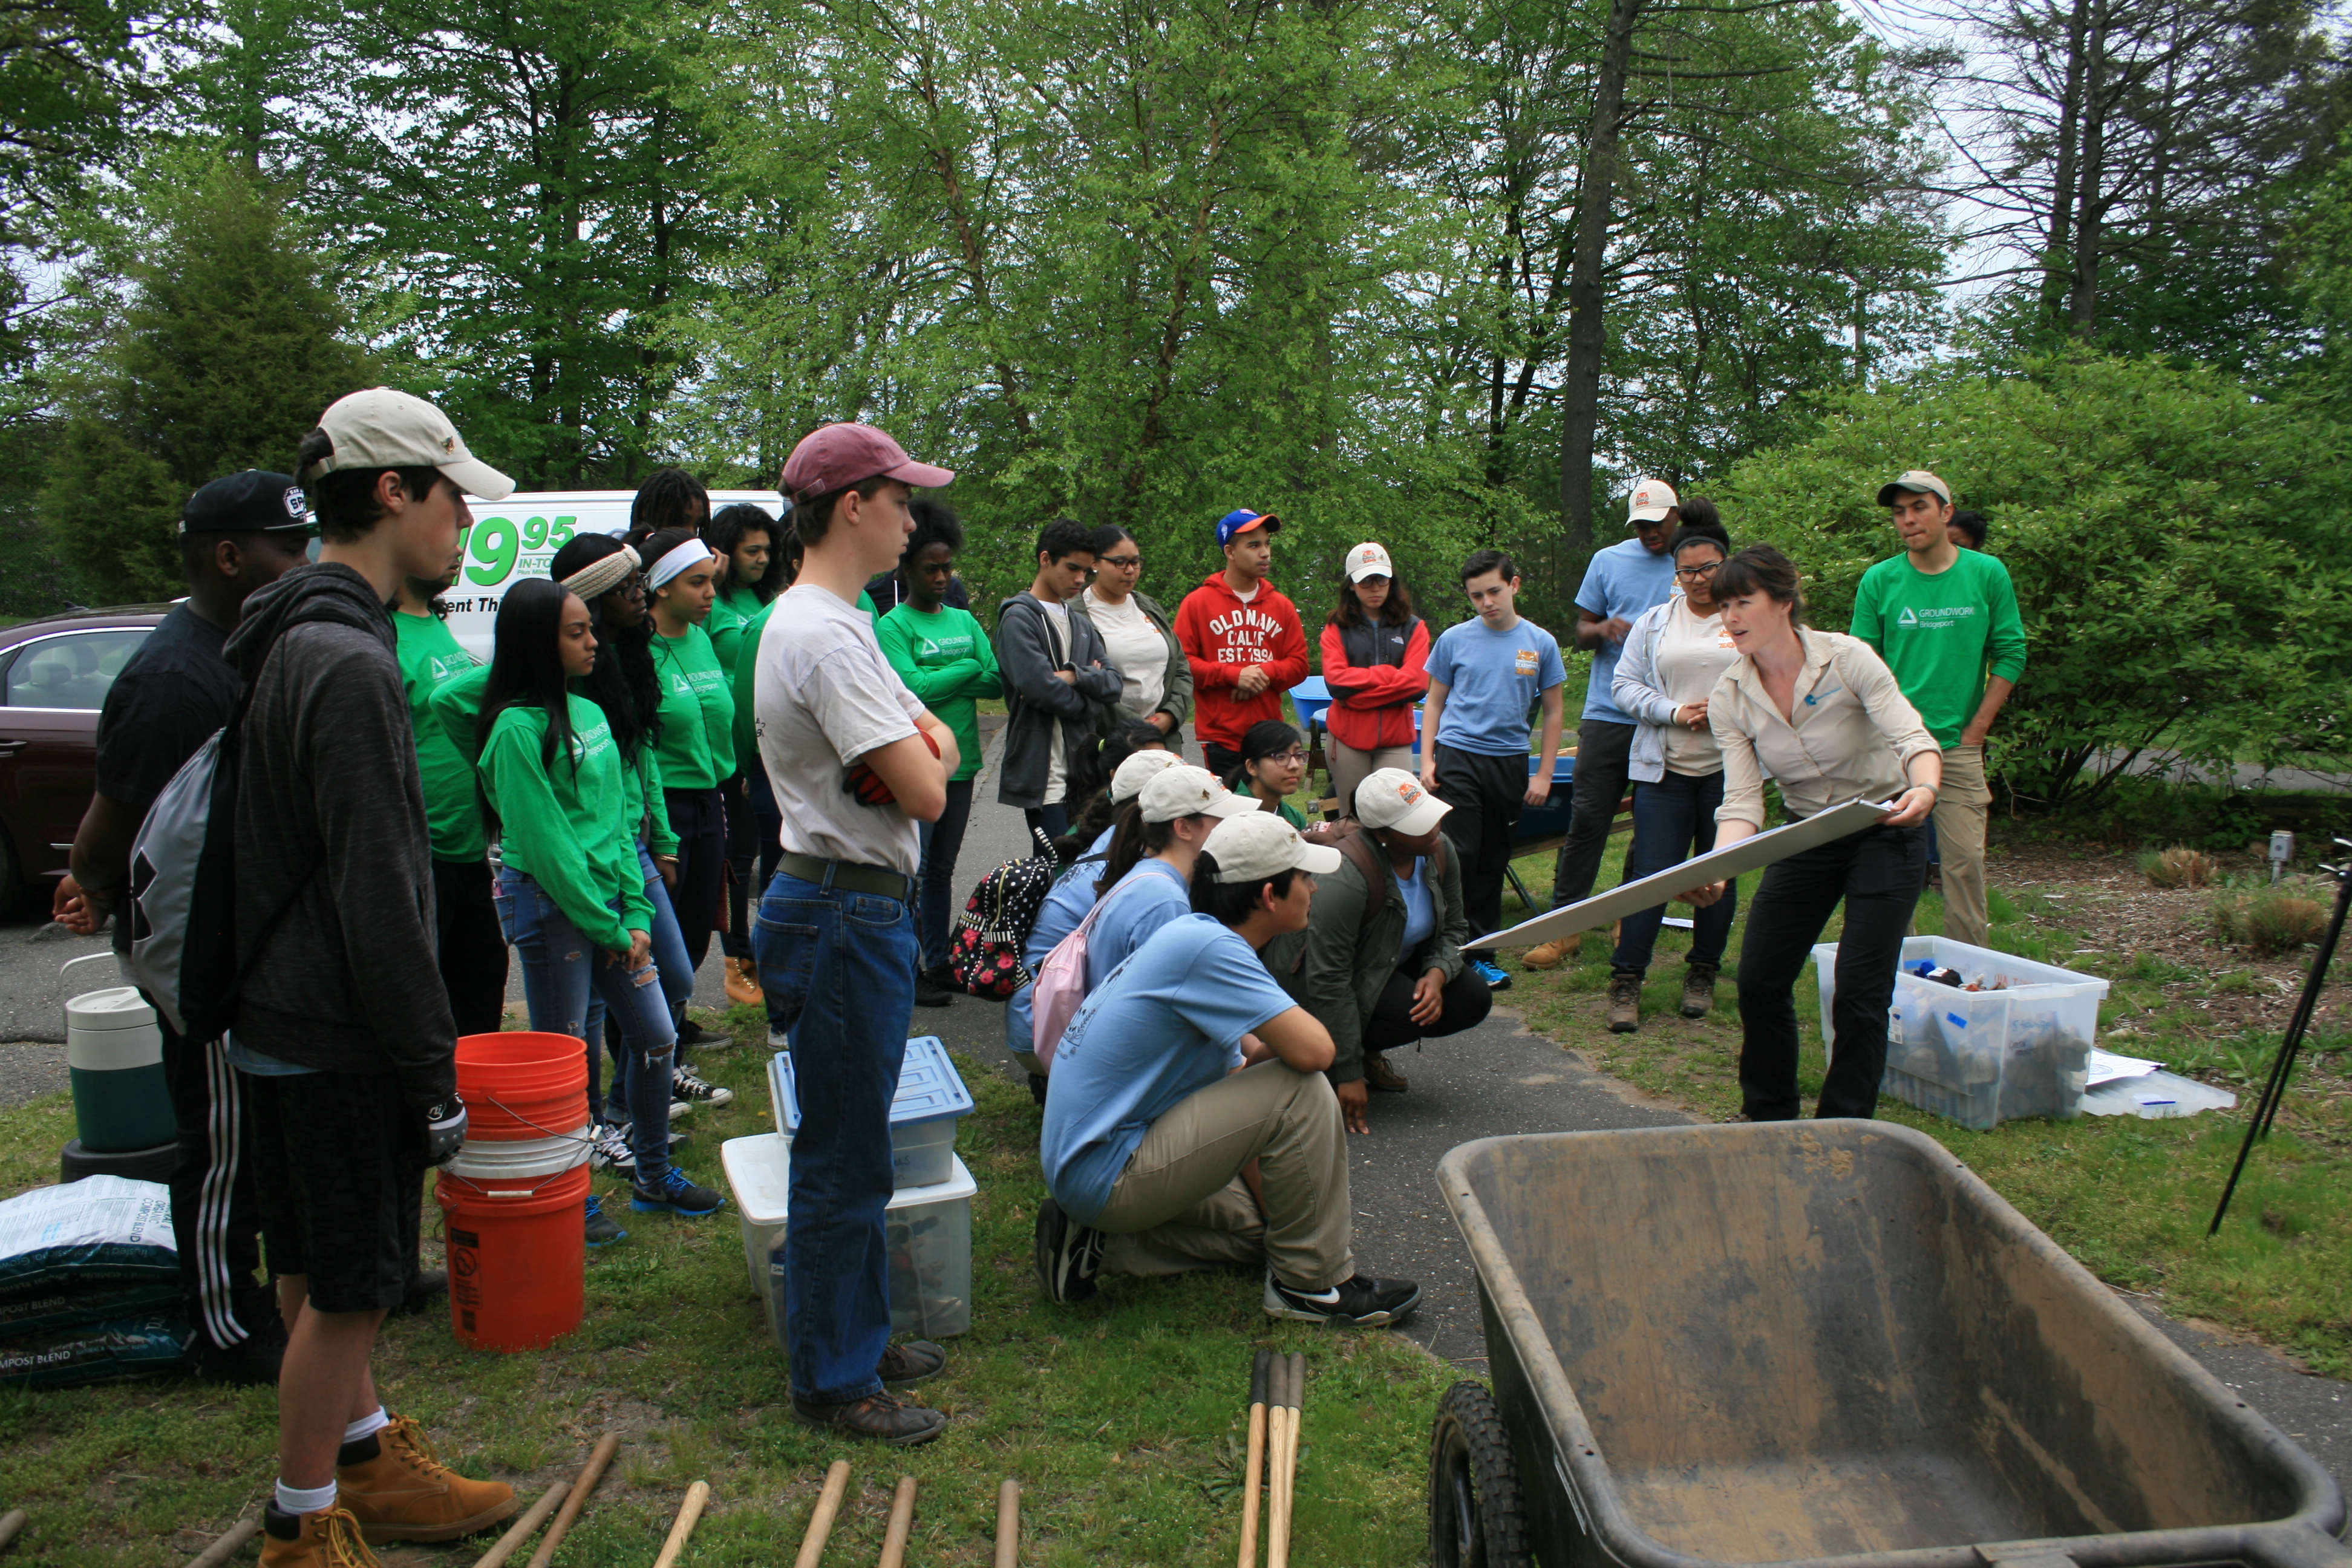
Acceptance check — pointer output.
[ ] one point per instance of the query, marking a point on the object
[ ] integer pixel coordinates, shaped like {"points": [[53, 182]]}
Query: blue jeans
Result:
{"points": [[677, 988], [1673, 819], [935, 903], [839, 969], [562, 972]]}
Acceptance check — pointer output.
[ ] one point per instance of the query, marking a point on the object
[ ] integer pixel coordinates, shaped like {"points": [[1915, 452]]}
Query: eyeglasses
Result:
{"points": [[1124, 563], [1296, 754], [1695, 573]]}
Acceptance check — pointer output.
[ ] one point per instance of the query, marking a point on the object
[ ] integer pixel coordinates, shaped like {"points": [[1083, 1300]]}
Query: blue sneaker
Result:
{"points": [[603, 1229], [676, 1195], [1493, 973]]}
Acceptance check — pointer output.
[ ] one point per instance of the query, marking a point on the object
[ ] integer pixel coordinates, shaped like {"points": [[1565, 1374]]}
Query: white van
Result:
{"points": [[516, 537]]}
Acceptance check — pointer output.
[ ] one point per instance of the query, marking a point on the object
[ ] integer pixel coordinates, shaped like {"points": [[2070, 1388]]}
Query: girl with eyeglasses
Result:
{"points": [[1673, 656], [1274, 764], [1156, 679]]}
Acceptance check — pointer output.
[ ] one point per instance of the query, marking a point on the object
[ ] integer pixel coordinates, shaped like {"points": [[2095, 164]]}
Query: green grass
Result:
{"points": [[2130, 1199], [1121, 1418]]}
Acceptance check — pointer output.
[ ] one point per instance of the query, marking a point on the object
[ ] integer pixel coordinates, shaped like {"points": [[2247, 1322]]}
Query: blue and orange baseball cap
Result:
{"points": [[1234, 524]]}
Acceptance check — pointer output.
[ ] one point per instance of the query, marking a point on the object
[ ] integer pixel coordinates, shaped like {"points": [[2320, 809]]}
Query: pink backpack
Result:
{"points": [[1061, 983]]}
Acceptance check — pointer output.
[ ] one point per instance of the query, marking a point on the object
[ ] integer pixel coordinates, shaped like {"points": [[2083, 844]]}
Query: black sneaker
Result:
{"points": [[929, 991], [1038, 1087], [251, 1360], [880, 1416], [426, 1289], [1069, 1255], [1355, 1301], [691, 1087], [910, 1360], [603, 1228], [675, 1196], [608, 1150]]}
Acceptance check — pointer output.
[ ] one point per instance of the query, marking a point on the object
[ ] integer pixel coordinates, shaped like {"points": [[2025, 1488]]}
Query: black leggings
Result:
{"points": [[696, 817], [1466, 1000]]}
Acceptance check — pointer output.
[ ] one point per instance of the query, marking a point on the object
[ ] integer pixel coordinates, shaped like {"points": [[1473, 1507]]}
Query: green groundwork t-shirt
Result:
{"points": [[697, 712], [430, 655], [1942, 635], [946, 662], [563, 823], [729, 612]]}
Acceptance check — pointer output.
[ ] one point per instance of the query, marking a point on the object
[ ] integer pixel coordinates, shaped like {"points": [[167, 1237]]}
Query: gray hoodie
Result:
{"points": [[331, 815], [1044, 709]]}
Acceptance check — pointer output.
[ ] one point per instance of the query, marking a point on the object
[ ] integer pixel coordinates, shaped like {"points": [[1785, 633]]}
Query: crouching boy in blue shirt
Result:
{"points": [[1188, 1121]]}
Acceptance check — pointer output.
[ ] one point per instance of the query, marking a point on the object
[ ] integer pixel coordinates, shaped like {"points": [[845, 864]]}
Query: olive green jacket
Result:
{"points": [[1337, 968]]}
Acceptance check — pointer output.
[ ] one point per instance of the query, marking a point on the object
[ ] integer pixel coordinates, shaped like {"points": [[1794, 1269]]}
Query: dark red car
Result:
{"points": [[54, 675]]}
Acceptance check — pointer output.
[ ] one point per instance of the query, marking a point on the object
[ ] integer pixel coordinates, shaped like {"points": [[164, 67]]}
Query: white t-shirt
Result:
{"points": [[1137, 649], [1057, 767], [827, 697], [1693, 651]]}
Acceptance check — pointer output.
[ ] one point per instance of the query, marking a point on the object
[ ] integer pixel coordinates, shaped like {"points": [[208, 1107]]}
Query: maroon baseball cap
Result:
{"points": [[835, 457]]}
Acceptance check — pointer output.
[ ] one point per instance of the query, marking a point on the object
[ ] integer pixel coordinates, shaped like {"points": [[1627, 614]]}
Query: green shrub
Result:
{"points": [[2272, 920]]}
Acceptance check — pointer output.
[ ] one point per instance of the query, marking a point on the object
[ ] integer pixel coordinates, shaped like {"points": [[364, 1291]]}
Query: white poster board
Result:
{"points": [[1715, 865]]}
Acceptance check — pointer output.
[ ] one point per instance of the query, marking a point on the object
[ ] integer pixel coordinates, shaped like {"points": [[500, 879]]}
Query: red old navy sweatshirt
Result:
{"points": [[1222, 636]]}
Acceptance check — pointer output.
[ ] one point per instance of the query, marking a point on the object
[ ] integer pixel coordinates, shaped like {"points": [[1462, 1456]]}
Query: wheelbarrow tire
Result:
{"points": [[1476, 1518]]}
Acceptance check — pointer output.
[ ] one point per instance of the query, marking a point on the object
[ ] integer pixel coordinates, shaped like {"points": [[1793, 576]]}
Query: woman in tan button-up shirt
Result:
{"points": [[1821, 713]]}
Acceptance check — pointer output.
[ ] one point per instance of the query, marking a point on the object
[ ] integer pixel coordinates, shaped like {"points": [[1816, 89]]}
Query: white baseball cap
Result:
{"points": [[381, 429], [1262, 846], [1138, 771], [1653, 498], [1368, 560], [1188, 791], [1392, 797]]}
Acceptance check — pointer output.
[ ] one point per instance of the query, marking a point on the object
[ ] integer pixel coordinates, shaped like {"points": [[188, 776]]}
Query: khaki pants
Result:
{"points": [[1349, 766], [1181, 1203], [1960, 808]]}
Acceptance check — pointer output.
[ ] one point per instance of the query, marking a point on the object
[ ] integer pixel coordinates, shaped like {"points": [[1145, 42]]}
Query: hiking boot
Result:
{"points": [[1496, 978], [743, 983], [428, 1289], [689, 1087], [1379, 1074], [1069, 1254], [880, 1416], [1624, 1002], [603, 1228], [401, 1492], [910, 1360], [1552, 954], [1357, 1301], [1698, 990], [675, 1196], [327, 1538], [929, 991]]}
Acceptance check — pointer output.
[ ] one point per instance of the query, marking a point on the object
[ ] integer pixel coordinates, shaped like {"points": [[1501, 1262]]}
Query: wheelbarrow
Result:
{"points": [[1825, 1343]]}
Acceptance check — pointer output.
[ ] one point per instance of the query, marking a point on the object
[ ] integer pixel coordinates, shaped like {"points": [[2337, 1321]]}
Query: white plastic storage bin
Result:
{"points": [[927, 1230], [1982, 1058], [931, 1100]]}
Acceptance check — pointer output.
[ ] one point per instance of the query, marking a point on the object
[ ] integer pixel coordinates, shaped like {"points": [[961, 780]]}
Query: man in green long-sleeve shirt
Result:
{"points": [[1945, 620]]}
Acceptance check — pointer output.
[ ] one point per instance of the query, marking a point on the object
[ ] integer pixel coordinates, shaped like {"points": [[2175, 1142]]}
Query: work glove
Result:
{"points": [[445, 1131]]}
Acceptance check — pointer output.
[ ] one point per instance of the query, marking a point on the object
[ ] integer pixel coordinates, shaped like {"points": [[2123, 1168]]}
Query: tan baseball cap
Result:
{"points": [[1653, 498], [1188, 791], [1913, 481], [1262, 846], [1392, 797], [381, 429], [1138, 771]]}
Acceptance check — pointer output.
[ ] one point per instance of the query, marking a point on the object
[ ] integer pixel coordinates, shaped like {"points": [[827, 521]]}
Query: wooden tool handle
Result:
{"points": [[688, 1513], [520, 1532], [11, 1524], [1008, 1524], [590, 1473], [828, 1505], [212, 1556], [902, 1519], [1252, 1467]]}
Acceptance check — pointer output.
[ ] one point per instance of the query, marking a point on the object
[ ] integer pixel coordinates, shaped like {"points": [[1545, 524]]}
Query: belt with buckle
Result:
{"points": [[849, 876]]}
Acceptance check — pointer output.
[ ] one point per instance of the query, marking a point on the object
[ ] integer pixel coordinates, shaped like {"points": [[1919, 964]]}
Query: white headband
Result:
{"points": [[693, 552]]}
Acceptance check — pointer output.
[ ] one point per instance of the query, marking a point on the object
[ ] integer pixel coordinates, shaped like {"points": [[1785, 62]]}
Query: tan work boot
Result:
{"points": [[1379, 1074], [406, 1494], [743, 983], [1698, 990], [1624, 1004], [328, 1539], [1552, 954]]}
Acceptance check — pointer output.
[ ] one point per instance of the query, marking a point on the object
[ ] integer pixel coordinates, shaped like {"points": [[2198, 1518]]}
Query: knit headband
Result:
{"points": [[603, 574], [693, 552]]}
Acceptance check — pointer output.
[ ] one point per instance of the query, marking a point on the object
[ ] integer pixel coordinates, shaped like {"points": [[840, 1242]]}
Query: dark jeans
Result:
{"points": [[1673, 819], [1219, 760], [1046, 823], [743, 849], [1466, 999], [473, 950], [1599, 787], [1485, 793], [1878, 872], [838, 968], [695, 817], [935, 904], [215, 1218]]}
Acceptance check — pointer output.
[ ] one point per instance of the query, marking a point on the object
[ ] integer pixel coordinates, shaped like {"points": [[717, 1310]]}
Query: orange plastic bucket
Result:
{"points": [[522, 1084], [517, 1257]]}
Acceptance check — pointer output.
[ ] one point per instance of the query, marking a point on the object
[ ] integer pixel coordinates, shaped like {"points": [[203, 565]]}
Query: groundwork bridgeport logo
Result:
{"points": [[1931, 619]]}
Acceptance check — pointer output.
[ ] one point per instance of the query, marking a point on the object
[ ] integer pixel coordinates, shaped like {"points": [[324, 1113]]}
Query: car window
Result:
{"points": [[72, 669]]}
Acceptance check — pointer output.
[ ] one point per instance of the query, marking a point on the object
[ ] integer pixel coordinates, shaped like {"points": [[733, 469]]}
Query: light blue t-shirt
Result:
{"points": [[1622, 580], [1420, 910], [1165, 1025], [1148, 898], [1065, 905], [1492, 679]]}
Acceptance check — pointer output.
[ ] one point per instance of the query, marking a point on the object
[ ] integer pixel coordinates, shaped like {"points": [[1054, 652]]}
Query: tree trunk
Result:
{"points": [[1588, 286], [2090, 207], [2057, 261]]}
